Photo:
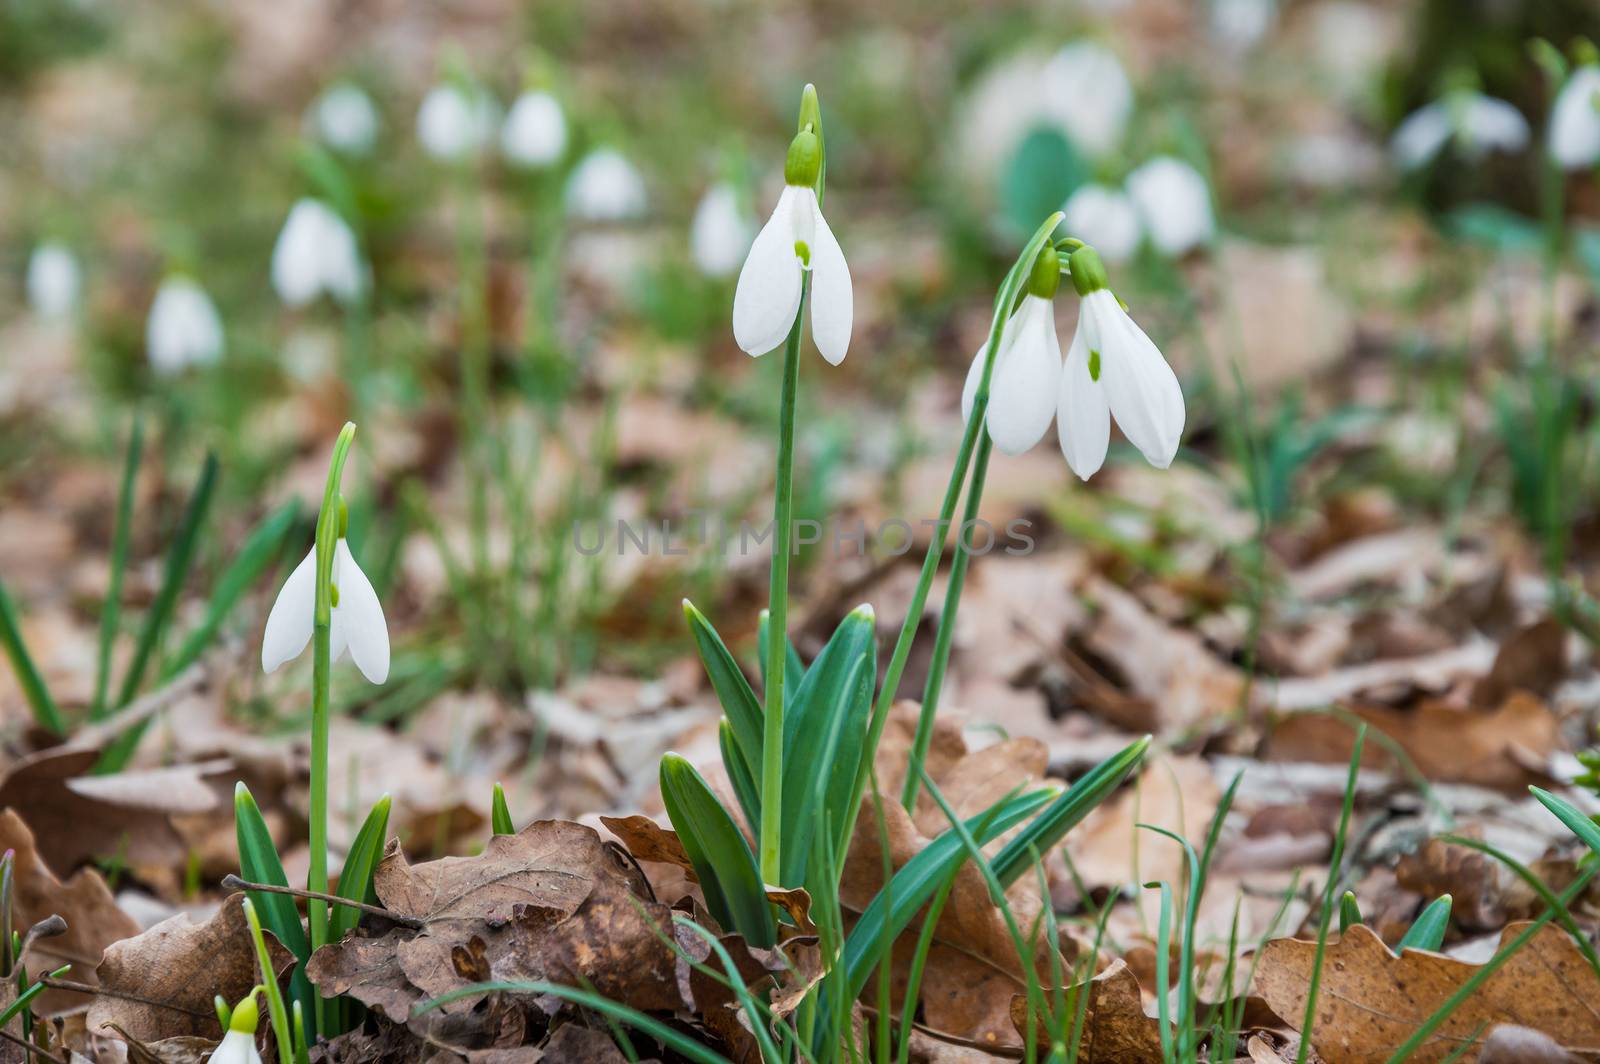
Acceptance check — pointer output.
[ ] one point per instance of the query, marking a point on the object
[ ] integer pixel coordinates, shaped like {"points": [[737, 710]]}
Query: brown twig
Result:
{"points": [[232, 882], [30, 1047], [85, 988]]}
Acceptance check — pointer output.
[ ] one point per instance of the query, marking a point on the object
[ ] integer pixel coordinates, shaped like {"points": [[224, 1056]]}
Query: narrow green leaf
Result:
{"points": [[1048, 828], [1428, 930], [1349, 912], [45, 713], [1571, 816], [259, 863], [739, 702], [111, 609], [261, 548], [500, 813], [744, 784], [722, 859], [793, 670], [355, 880]]}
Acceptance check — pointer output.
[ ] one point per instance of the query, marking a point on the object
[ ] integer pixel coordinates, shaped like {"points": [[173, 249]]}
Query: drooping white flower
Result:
{"points": [[316, 253], [454, 123], [796, 239], [720, 234], [1090, 94], [53, 280], [535, 131], [1105, 217], [1575, 120], [1175, 204], [1113, 370], [1025, 380], [184, 328], [605, 187], [1477, 124], [344, 118], [238, 1046], [356, 620]]}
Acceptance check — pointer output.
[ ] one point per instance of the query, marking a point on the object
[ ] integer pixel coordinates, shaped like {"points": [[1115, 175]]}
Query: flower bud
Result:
{"points": [[246, 1014], [1088, 272], [1045, 276], [804, 162]]}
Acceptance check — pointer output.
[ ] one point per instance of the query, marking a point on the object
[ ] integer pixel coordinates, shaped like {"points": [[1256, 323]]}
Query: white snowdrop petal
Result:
{"points": [[1421, 136], [969, 389], [1105, 217], [1495, 124], [719, 235], [605, 187], [1023, 393], [236, 1047], [1174, 202], [344, 118], [1141, 389], [832, 297], [1083, 418], [535, 131], [1089, 94], [183, 328], [53, 281], [289, 624], [767, 296], [1575, 120], [365, 630]]}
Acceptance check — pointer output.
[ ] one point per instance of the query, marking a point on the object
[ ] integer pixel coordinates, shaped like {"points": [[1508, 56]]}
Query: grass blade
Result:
{"points": [[111, 610], [355, 880], [500, 813], [45, 713], [261, 548]]}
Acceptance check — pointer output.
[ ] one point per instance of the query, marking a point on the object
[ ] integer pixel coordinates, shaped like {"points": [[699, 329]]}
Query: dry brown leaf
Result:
{"points": [[1532, 660], [93, 919], [1371, 1001], [1174, 792], [1115, 1027], [180, 964], [1390, 679]]}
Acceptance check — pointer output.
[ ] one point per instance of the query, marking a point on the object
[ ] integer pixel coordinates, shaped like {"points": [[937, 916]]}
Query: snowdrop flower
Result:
{"points": [[1027, 368], [1239, 25], [53, 280], [720, 234], [1575, 120], [238, 1046], [356, 625], [316, 252], [184, 328], [1477, 123], [1091, 94], [1175, 204], [605, 187], [1113, 370], [1106, 218], [344, 117], [453, 122], [535, 131], [796, 239]]}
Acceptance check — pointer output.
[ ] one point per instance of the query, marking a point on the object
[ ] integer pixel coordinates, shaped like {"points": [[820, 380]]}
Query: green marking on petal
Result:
{"points": [[333, 594], [804, 251], [1094, 364]]}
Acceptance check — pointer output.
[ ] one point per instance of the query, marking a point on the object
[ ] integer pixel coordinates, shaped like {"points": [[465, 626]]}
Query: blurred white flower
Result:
{"points": [[535, 131], [1090, 95], [1175, 204], [453, 123], [236, 1047], [1476, 123], [1575, 120], [720, 234], [795, 239], [1239, 25], [54, 281], [184, 328], [1114, 370], [605, 187], [316, 253], [1105, 217], [1025, 380], [356, 620], [344, 118]]}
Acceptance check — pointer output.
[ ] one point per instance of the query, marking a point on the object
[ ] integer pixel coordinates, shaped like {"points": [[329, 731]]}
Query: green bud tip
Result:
{"points": [[804, 162], [246, 1014], [1088, 272], [333, 594], [864, 611], [1584, 52], [1046, 274]]}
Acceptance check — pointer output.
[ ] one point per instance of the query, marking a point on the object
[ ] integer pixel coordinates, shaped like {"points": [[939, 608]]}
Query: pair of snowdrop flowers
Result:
{"points": [[456, 121], [356, 621], [1166, 199], [795, 242], [1112, 370], [1475, 123]]}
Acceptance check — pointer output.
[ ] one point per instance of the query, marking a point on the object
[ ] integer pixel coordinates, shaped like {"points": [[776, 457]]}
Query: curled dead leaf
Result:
{"points": [[1115, 1027]]}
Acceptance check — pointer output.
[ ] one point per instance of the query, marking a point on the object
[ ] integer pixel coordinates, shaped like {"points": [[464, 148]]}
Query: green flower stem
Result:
{"points": [[321, 645], [474, 267], [269, 982], [778, 606], [947, 620]]}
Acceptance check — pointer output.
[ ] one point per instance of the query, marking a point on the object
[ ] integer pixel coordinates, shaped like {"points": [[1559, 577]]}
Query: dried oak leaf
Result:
{"points": [[1115, 1027], [552, 902], [170, 973], [93, 919], [1371, 1000]]}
